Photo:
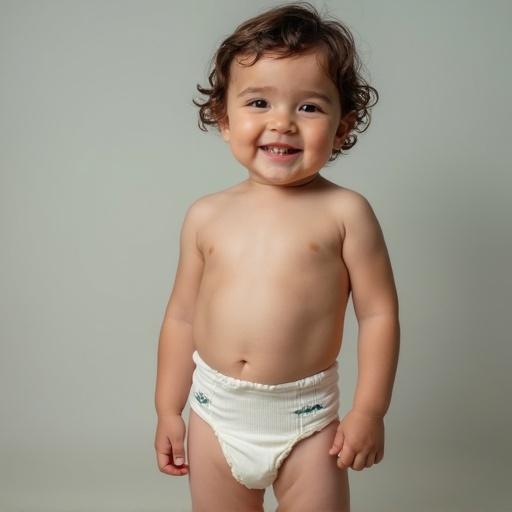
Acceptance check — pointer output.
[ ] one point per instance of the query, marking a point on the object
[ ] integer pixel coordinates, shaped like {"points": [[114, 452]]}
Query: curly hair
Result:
{"points": [[286, 30]]}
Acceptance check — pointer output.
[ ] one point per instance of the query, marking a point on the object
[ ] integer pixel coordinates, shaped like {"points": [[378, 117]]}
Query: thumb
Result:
{"points": [[178, 453], [337, 444]]}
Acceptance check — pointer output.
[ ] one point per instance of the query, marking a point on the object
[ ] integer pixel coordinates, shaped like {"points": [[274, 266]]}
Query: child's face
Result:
{"points": [[286, 112]]}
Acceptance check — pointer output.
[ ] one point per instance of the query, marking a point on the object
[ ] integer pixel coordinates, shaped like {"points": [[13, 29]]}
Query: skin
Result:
{"points": [[265, 272]]}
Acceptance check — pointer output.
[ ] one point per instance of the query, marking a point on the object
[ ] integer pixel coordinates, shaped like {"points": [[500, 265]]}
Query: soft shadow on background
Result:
{"points": [[101, 155]]}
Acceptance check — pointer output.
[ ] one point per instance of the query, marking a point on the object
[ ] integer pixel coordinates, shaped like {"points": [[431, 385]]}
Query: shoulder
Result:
{"points": [[203, 209], [354, 204], [351, 209]]}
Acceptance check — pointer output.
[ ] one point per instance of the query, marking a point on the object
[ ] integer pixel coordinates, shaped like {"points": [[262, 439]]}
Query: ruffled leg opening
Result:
{"points": [[289, 447]]}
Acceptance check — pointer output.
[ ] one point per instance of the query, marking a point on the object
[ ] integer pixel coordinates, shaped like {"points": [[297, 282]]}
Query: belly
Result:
{"points": [[271, 329]]}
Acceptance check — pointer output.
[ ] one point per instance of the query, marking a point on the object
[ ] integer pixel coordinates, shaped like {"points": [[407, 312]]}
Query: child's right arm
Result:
{"points": [[175, 347]]}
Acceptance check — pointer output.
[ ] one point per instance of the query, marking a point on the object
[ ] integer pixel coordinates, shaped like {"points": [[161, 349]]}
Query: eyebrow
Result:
{"points": [[268, 88]]}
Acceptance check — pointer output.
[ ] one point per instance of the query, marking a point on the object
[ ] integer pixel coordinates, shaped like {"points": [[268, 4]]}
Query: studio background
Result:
{"points": [[100, 157]]}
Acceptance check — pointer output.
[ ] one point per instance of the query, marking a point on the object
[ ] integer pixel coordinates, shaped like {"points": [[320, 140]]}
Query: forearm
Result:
{"points": [[175, 367], [378, 349]]}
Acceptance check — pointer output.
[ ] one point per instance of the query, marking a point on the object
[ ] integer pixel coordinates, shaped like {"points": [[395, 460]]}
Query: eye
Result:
{"points": [[311, 105], [255, 101]]}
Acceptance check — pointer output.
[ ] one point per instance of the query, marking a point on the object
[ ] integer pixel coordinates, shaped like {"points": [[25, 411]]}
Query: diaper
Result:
{"points": [[256, 424]]}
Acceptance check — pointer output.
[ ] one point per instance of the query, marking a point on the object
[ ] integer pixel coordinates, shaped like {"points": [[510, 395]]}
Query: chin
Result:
{"points": [[281, 179]]}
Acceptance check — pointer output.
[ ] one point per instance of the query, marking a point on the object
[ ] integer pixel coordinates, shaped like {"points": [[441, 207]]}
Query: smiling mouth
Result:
{"points": [[279, 151]]}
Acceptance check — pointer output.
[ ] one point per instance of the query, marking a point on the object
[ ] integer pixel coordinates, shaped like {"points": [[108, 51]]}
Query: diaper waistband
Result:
{"points": [[326, 377]]}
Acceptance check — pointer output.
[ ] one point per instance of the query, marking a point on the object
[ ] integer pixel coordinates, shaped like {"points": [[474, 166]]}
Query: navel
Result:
{"points": [[210, 250], [314, 247]]}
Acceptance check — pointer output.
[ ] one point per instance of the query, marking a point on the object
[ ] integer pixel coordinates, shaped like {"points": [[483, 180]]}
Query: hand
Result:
{"points": [[169, 445], [359, 440]]}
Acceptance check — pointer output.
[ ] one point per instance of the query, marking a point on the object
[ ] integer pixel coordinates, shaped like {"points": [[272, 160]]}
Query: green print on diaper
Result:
{"points": [[309, 408], [202, 398]]}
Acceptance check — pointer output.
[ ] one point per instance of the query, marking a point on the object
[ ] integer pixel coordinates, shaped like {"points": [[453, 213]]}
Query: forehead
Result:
{"points": [[306, 70]]}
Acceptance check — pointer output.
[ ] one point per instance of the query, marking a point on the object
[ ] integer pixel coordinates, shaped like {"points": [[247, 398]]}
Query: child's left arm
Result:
{"points": [[360, 434]]}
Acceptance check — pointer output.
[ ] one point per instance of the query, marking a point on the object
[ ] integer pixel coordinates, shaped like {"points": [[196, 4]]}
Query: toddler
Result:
{"points": [[254, 323]]}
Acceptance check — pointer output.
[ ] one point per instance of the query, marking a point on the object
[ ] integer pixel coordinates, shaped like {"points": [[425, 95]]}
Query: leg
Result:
{"points": [[212, 485], [309, 479]]}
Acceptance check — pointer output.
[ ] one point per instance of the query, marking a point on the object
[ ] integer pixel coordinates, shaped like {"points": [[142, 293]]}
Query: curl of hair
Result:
{"points": [[287, 30]]}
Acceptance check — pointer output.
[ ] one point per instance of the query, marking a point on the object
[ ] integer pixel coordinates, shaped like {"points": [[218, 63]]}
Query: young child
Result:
{"points": [[254, 323]]}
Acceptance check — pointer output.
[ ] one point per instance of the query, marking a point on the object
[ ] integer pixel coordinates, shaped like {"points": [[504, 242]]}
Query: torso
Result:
{"points": [[274, 289]]}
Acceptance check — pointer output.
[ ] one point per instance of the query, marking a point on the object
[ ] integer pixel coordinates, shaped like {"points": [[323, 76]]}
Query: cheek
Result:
{"points": [[248, 127], [243, 125], [319, 137]]}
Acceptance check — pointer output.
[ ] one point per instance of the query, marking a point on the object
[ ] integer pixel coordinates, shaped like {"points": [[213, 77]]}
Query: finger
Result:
{"points": [[165, 465], [359, 461], [379, 456], [345, 457], [370, 460], [337, 444], [178, 452]]}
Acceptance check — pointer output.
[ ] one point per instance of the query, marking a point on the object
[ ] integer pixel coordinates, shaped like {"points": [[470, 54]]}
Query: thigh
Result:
{"points": [[212, 485], [309, 478]]}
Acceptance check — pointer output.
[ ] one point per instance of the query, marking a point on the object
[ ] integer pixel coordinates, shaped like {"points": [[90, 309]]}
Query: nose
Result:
{"points": [[282, 121]]}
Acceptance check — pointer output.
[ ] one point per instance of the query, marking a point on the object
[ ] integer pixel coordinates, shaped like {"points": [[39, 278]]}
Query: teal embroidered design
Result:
{"points": [[202, 398], [309, 408]]}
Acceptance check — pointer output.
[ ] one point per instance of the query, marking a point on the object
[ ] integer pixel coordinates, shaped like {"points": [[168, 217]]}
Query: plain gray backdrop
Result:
{"points": [[100, 157]]}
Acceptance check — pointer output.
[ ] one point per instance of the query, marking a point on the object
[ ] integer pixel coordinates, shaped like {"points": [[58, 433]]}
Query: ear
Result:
{"points": [[346, 124], [224, 128]]}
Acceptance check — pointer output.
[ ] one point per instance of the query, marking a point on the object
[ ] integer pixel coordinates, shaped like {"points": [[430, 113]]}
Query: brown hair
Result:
{"points": [[286, 30]]}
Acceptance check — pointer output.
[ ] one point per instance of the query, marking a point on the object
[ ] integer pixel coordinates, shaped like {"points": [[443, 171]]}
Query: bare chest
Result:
{"points": [[274, 244]]}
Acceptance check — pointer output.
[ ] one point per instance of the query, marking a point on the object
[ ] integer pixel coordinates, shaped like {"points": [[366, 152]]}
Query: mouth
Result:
{"points": [[280, 154], [280, 150]]}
